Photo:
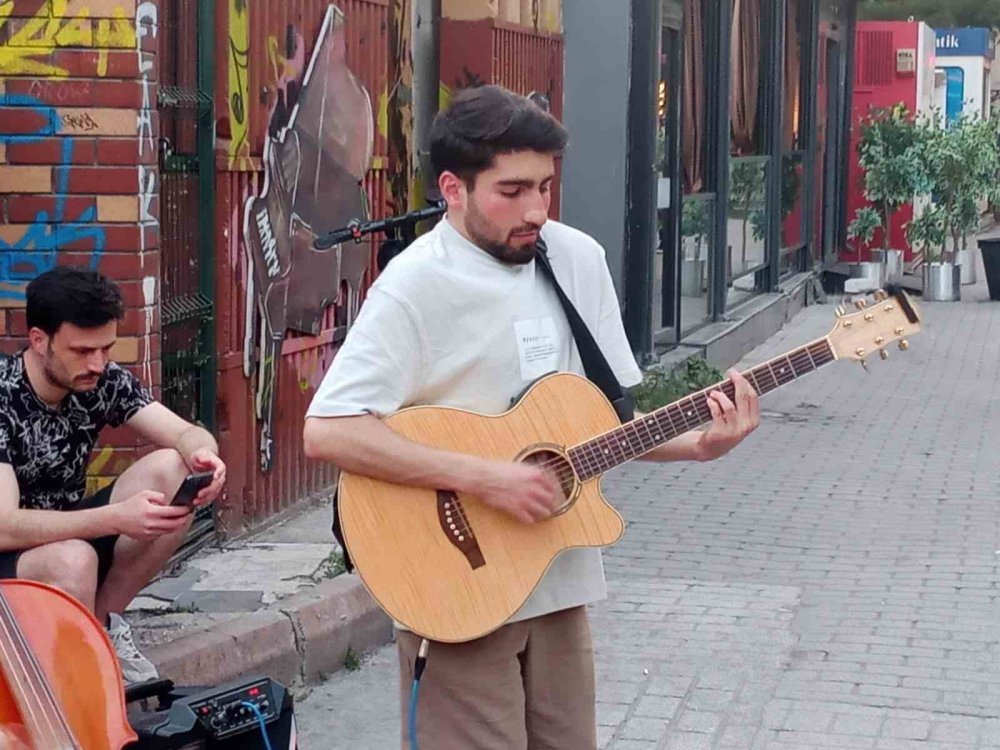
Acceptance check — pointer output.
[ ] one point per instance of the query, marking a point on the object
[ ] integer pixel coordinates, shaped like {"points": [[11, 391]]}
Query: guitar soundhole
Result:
{"points": [[561, 469]]}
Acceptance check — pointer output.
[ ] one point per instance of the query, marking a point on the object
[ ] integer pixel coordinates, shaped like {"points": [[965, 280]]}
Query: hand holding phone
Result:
{"points": [[191, 486]]}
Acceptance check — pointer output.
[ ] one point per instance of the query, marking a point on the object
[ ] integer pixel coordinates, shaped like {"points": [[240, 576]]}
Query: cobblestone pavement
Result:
{"points": [[830, 584]]}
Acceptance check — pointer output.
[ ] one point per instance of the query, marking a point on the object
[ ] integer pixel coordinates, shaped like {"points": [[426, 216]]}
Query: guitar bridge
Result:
{"points": [[455, 525]]}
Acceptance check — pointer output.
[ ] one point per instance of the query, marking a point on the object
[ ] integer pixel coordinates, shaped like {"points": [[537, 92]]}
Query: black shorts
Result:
{"points": [[103, 545]]}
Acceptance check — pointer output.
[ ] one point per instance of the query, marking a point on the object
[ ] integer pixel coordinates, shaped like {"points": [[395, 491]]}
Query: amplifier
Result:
{"points": [[217, 718]]}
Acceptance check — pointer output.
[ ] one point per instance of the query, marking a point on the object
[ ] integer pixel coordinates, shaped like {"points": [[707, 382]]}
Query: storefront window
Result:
{"points": [[793, 160], [697, 215], [746, 228], [697, 247]]}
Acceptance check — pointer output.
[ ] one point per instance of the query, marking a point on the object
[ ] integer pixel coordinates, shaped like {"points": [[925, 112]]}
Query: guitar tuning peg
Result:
{"points": [[881, 295], [864, 364], [904, 345], [883, 354], [840, 311], [861, 304]]}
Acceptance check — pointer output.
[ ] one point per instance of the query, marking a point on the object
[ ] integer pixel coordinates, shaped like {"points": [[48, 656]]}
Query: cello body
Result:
{"points": [[79, 665]]}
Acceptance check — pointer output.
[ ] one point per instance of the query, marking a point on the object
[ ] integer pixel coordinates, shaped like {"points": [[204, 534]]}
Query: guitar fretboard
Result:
{"points": [[598, 455]]}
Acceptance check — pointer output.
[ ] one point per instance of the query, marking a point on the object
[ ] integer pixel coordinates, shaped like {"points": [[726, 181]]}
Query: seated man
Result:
{"points": [[56, 396]]}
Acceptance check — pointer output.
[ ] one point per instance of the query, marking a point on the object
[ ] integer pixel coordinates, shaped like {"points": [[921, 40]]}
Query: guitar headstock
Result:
{"points": [[889, 317]]}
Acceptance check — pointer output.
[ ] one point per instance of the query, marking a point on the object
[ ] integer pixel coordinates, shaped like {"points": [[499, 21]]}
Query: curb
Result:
{"points": [[301, 639]]}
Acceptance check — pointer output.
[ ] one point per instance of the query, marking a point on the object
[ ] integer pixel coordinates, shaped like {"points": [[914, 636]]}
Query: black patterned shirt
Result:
{"points": [[49, 448]]}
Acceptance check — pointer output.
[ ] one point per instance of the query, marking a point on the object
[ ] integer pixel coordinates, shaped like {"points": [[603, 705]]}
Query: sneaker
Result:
{"points": [[135, 667]]}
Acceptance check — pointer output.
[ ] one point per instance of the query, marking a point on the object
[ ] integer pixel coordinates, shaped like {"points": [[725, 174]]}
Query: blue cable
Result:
{"points": [[412, 725], [260, 720], [418, 671]]}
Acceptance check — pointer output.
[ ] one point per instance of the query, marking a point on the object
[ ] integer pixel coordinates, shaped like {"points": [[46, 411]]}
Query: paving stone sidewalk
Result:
{"points": [[833, 583]]}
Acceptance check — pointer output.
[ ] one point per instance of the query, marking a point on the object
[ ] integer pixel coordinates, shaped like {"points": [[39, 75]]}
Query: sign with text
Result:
{"points": [[964, 43]]}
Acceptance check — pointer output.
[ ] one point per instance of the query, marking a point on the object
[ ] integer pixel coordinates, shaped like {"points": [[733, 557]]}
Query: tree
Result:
{"points": [[939, 13], [890, 153]]}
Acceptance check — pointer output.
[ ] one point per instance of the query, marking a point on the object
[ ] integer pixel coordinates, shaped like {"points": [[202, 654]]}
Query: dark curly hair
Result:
{"points": [[72, 295], [484, 122]]}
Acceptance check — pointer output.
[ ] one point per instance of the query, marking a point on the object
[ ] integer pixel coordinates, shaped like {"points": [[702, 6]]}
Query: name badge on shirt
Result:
{"points": [[537, 346]]}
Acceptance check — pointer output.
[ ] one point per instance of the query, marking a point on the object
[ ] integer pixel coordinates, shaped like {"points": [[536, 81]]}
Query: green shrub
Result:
{"points": [[660, 387]]}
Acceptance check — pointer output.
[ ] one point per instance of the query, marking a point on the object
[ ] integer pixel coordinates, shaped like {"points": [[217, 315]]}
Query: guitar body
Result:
{"points": [[445, 583]]}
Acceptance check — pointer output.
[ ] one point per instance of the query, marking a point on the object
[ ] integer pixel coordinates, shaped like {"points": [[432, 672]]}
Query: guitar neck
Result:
{"points": [[597, 455]]}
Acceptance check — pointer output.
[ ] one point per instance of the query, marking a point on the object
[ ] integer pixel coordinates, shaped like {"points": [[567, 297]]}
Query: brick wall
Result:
{"points": [[78, 169]]}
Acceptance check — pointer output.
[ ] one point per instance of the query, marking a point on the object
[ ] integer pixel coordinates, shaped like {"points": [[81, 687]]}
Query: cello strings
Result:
{"points": [[29, 665], [43, 696]]}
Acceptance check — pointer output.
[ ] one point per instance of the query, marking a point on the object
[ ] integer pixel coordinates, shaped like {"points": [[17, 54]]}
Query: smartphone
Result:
{"points": [[191, 486]]}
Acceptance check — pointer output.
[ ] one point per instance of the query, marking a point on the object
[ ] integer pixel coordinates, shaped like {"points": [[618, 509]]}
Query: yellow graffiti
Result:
{"points": [[100, 460], [28, 47], [281, 66], [239, 82], [382, 116], [444, 96]]}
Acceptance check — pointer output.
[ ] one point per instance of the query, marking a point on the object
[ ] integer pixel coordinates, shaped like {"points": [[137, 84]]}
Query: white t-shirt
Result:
{"points": [[447, 324]]}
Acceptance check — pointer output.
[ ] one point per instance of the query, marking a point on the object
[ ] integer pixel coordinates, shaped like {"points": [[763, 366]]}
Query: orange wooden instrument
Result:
{"points": [[60, 681]]}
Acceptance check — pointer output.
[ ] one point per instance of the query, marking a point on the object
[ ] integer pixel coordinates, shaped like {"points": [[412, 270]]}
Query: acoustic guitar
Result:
{"points": [[451, 568]]}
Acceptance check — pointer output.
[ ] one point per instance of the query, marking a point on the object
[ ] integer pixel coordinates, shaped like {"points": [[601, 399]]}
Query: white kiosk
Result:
{"points": [[965, 58]]}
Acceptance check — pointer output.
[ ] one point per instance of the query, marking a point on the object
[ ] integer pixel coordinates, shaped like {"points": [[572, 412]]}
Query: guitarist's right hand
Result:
{"points": [[526, 492]]}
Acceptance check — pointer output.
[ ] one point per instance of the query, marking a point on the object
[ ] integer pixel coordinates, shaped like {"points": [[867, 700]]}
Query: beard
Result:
{"points": [[80, 384], [484, 234], [55, 379]]}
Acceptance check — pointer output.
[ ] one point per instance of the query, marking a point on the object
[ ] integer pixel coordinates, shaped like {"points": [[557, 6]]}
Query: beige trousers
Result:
{"points": [[527, 686]]}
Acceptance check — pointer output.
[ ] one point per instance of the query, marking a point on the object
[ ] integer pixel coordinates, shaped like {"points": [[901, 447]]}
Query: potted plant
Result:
{"points": [[929, 232], [889, 152], [867, 221], [976, 144], [961, 162], [695, 226]]}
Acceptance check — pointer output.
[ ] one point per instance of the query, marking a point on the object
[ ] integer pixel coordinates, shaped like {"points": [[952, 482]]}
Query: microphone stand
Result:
{"points": [[400, 231]]}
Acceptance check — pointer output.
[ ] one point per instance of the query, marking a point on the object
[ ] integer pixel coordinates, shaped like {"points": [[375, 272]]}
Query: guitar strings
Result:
{"points": [[591, 455]]}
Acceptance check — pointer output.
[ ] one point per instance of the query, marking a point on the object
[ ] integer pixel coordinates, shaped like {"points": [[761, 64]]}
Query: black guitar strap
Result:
{"points": [[596, 366]]}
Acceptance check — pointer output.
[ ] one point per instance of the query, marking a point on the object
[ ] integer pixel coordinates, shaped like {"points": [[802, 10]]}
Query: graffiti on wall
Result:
{"points": [[30, 42], [286, 70], [145, 23], [239, 81], [59, 220], [314, 169], [35, 250]]}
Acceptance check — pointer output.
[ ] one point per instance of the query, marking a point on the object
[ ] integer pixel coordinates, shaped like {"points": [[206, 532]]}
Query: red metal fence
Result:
{"points": [[276, 42]]}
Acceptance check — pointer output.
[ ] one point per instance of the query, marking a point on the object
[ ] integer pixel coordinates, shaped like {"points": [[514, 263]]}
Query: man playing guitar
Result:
{"points": [[464, 319]]}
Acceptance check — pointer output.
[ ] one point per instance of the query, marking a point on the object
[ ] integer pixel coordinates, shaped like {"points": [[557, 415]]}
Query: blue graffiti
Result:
{"points": [[35, 252]]}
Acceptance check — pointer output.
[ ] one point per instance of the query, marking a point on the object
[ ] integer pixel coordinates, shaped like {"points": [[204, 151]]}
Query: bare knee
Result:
{"points": [[160, 471], [70, 565]]}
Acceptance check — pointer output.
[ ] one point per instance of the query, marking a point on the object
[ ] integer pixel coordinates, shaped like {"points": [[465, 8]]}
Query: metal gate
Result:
{"points": [[184, 104]]}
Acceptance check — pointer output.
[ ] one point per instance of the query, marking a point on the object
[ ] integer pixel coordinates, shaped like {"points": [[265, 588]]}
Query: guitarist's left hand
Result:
{"points": [[730, 422]]}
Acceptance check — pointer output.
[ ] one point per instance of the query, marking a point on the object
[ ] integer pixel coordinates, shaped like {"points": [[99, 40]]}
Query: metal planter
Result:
{"points": [[942, 282], [967, 261], [892, 260], [871, 272]]}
